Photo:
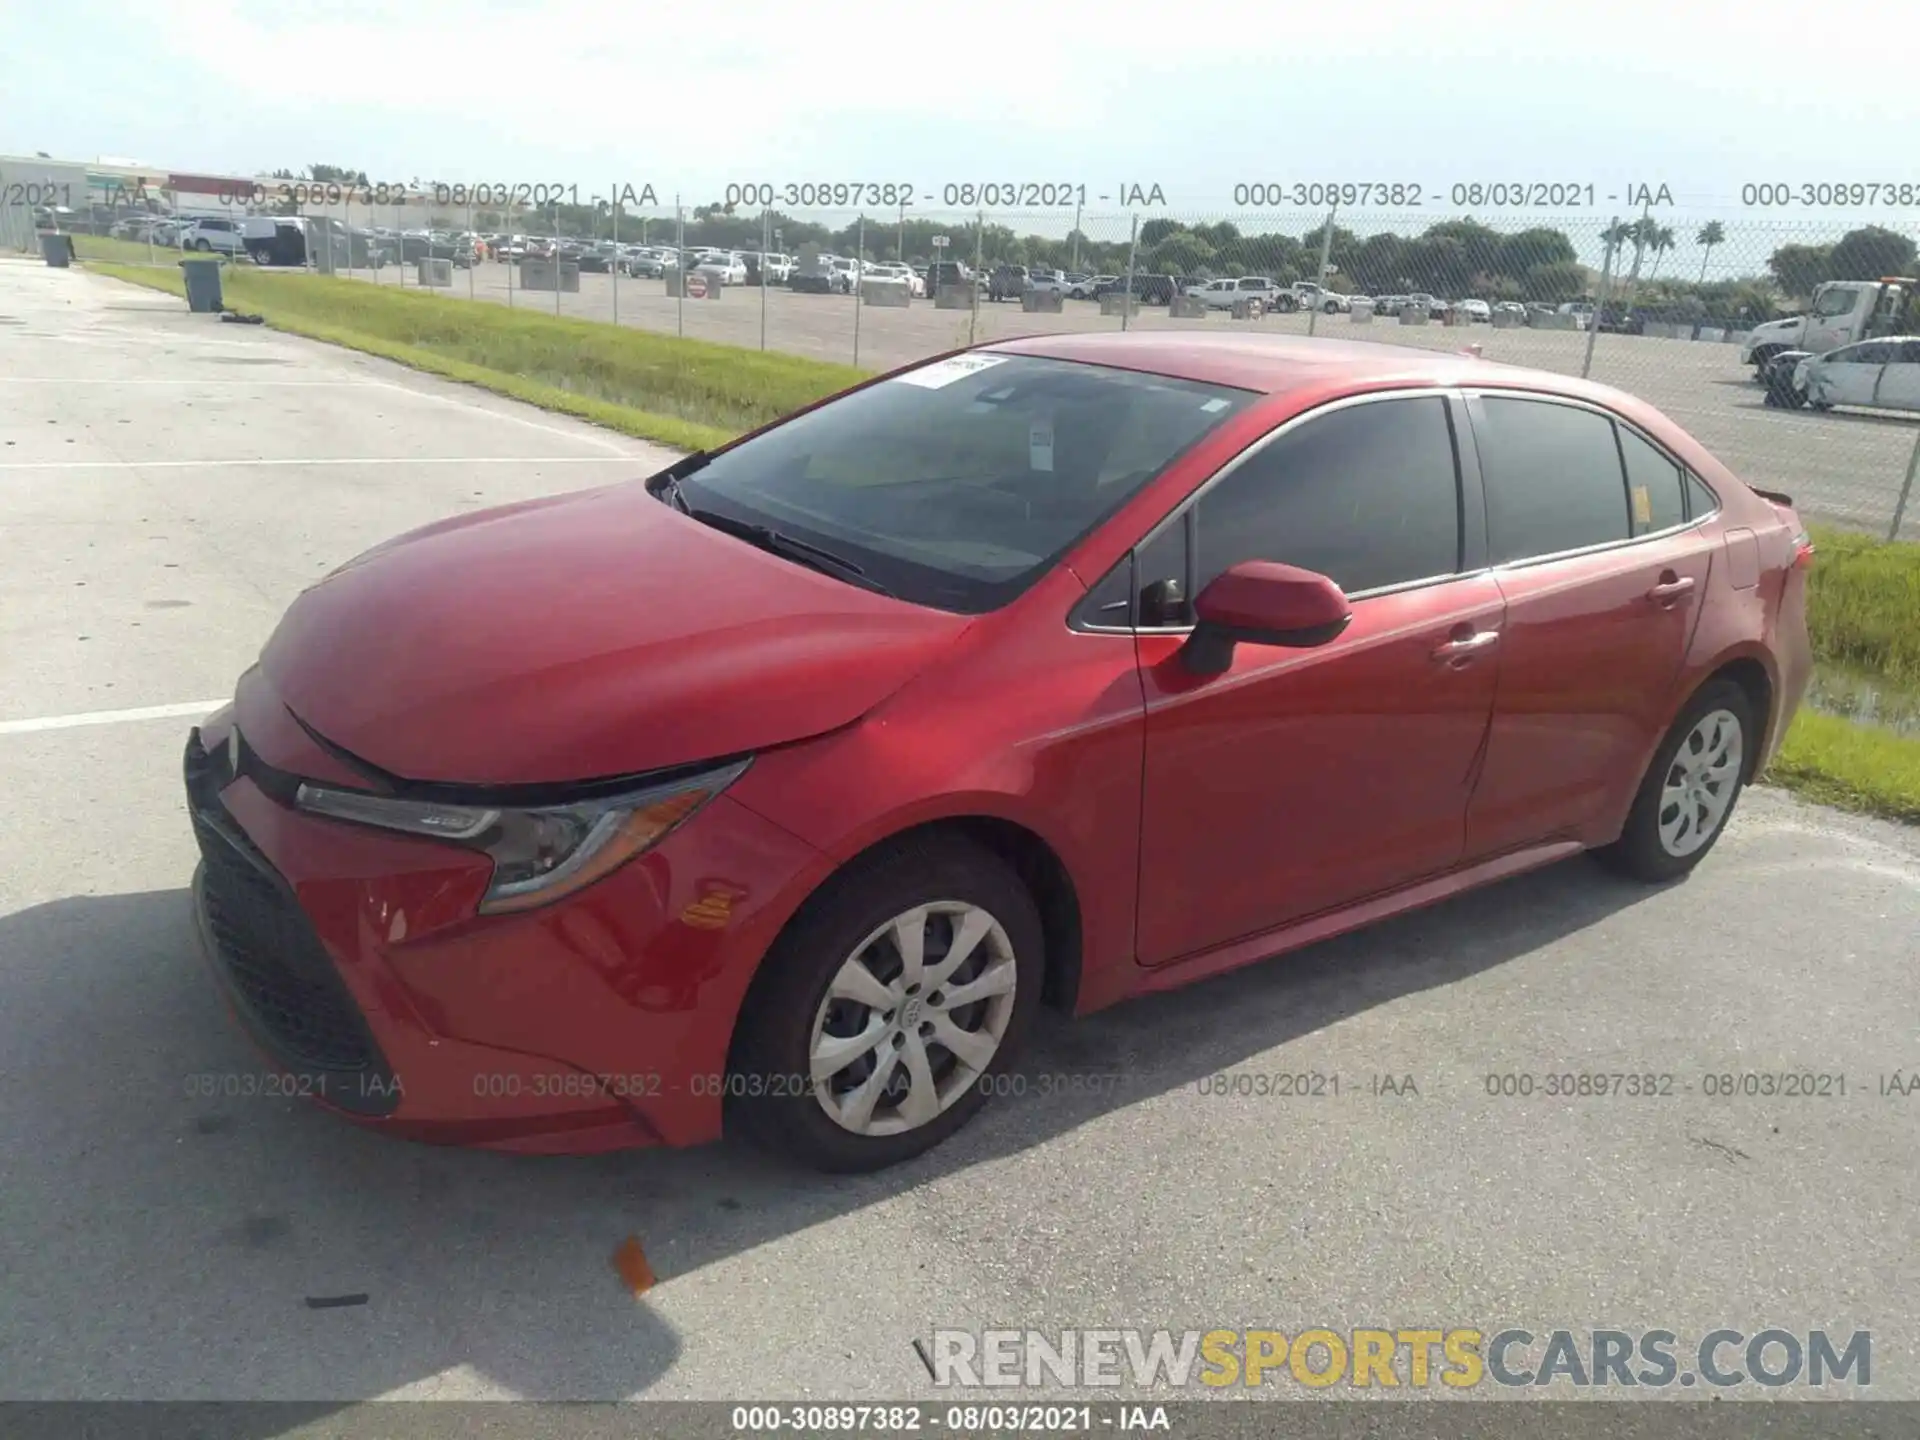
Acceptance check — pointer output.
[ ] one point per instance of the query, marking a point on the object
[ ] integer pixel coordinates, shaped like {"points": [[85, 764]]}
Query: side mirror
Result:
{"points": [[1261, 602]]}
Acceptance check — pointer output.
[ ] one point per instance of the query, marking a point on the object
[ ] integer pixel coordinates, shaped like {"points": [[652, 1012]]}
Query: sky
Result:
{"points": [[1702, 99]]}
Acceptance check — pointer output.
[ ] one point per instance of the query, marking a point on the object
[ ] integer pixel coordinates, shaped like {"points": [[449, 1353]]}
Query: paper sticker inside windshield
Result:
{"points": [[945, 372], [1040, 444]]}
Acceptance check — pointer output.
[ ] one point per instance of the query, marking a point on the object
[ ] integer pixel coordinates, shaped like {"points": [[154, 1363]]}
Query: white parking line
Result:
{"points": [[369, 460], [454, 400], [109, 717]]}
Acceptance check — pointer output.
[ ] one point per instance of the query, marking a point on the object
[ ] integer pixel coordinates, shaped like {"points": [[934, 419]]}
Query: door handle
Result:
{"points": [[1673, 589], [1463, 646]]}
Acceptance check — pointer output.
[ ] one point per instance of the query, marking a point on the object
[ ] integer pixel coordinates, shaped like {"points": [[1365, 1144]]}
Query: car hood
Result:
{"points": [[1779, 327], [584, 636]]}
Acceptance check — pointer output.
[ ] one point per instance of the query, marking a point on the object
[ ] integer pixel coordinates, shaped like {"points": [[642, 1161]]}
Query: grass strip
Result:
{"points": [[1863, 605], [691, 394], [1844, 763]]}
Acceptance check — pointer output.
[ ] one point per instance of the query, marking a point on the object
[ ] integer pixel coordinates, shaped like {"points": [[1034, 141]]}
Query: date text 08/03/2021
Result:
{"points": [[975, 1419]]}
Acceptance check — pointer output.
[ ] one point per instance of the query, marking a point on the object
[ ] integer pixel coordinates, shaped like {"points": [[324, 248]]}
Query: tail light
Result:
{"points": [[1802, 550]]}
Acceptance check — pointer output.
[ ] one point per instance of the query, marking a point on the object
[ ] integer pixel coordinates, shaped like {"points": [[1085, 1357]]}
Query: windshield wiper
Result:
{"points": [[776, 542]]}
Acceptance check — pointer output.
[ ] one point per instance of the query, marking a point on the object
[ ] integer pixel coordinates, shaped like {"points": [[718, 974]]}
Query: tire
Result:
{"points": [[203, 244], [790, 1002], [1645, 850]]}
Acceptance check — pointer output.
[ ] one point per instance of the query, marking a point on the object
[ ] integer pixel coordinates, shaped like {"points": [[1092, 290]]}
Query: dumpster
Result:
{"points": [[57, 250], [203, 285]]}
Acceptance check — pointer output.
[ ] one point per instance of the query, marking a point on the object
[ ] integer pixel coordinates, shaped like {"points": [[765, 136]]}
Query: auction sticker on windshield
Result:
{"points": [[945, 372]]}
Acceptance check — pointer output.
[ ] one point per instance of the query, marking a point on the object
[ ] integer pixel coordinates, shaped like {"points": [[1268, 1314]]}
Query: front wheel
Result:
{"points": [[891, 1010], [1689, 792]]}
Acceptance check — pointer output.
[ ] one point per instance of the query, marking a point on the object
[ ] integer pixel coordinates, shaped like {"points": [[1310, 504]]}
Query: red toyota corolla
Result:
{"points": [[779, 790]]}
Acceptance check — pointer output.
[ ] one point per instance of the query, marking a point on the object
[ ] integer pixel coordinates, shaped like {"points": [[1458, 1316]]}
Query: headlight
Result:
{"points": [[539, 853]]}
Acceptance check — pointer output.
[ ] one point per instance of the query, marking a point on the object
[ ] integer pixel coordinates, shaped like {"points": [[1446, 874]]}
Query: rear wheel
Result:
{"points": [[889, 1008], [1689, 792]]}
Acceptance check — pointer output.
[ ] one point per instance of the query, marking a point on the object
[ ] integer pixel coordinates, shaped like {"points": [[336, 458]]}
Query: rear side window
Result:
{"points": [[1368, 495], [1655, 492], [1553, 478]]}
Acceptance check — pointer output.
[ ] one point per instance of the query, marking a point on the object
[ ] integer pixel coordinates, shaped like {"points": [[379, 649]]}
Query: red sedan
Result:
{"points": [[776, 792]]}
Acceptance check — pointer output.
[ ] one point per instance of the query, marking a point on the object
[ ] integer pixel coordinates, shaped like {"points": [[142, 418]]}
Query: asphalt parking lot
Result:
{"points": [[168, 475], [1845, 467]]}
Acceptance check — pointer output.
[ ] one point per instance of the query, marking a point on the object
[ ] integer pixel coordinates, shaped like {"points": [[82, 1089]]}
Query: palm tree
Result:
{"points": [[1614, 237], [1710, 235], [1660, 242]]}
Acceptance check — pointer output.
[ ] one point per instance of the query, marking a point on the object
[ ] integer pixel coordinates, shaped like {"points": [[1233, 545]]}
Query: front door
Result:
{"points": [[1301, 780]]}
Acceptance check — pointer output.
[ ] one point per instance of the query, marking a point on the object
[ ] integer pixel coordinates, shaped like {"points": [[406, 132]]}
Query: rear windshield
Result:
{"points": [[957, 485]]}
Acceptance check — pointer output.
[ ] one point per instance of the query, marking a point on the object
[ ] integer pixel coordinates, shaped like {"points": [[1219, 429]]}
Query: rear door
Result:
{"points": [[1900, 380], [1603, 576], [1851, 374]]}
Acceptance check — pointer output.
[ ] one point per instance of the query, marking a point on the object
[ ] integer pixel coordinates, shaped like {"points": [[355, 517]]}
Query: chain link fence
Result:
{"points": [[1656, 306]]}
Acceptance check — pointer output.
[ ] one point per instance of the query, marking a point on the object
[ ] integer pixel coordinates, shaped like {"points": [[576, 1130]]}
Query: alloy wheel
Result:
{"points": [[1700, 783], [912, 1018]]}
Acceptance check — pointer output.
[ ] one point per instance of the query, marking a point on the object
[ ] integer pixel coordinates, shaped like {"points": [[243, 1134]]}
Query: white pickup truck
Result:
{"points": [[1224, 294], [1842, 312]]}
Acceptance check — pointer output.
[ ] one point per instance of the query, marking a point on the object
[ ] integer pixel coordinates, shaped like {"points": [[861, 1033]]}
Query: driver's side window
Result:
{"points": [[1367, 494]]}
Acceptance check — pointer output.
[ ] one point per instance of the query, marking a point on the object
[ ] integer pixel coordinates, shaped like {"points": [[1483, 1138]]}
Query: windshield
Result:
{"points": [[957, 485]]}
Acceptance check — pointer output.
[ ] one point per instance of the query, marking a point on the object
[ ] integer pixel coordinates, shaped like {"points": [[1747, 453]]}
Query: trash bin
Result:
{"points": [[57, 250], [203, 285]]}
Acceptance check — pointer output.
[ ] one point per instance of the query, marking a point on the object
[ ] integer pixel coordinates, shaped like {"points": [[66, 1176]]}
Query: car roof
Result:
{"points": [[1288, 364]]}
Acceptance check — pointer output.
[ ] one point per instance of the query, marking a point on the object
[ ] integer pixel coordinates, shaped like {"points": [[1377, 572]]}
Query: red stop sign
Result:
{"points": [[697, 287]]}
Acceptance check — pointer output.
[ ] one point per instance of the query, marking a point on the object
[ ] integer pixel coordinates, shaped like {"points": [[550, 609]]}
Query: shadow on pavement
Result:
{"points": [[163, 1244]]}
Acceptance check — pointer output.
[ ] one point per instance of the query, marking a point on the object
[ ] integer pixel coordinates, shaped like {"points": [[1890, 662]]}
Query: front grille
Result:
{"points": [[273, 964]]}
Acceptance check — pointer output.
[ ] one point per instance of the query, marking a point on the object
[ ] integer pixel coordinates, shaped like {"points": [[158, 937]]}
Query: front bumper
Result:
{"points": [[356, 962]]}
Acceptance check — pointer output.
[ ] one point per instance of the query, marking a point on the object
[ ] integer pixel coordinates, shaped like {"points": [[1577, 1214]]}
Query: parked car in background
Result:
{"points": [[599, 258], [1309, 296], [947, 273], [1478, 311], [217, 234], [1510, 307], [1778, 378], [1215, 600], [1225, 294], [889, 272], [1087, 287], [1006, 282], [815, 276], [1054, 281], [1882, 374], [1154, 289]]}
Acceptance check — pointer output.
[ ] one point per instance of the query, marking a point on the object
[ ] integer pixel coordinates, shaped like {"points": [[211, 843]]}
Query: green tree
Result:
{"points": [[1183, 254], [1798, 268], [1660, 241], [1555, 282], [1870, 253], [1711, 235], [1514, 255], [1152, 232]]}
